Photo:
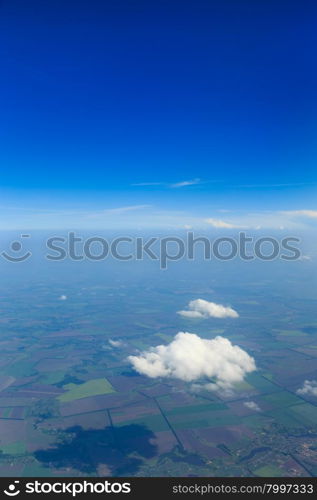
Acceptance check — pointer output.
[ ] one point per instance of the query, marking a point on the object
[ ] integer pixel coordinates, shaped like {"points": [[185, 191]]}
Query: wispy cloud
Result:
{"points": [[123, 210], [312, 214], [181, 184], [148, 184], [273, 185], [220, 224], [305, 258], [144, 215], [191, 182], [266, 219], [116, 211]]}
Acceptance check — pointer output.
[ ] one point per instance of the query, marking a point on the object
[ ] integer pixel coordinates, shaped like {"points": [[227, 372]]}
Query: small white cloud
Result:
{"points": [[190, 358], [115, 343], [63, 297], [203, 309], [309, 388], [252, 405], [192, 182], [220, 224]]}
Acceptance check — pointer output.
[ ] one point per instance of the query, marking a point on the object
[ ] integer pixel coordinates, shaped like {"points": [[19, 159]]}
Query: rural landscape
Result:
{"points": [[72, 404]]}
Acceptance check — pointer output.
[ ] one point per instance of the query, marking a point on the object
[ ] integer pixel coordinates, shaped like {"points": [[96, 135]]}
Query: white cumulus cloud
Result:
{"points": [[203, 309], [190, 358], [309, 388]]}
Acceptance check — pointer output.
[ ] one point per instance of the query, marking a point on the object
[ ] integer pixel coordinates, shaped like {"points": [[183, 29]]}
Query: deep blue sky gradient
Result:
{"points": [[98, 96]]}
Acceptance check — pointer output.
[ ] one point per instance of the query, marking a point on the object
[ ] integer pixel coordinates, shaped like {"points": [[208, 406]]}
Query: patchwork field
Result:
{"points": [[71, 404]]}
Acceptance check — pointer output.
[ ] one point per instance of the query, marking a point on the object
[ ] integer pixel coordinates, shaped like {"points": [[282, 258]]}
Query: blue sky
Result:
{"points": [[139, 114]]}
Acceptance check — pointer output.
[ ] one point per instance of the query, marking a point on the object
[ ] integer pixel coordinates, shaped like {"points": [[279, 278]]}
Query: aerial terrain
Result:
{"points": [[73, 404]]}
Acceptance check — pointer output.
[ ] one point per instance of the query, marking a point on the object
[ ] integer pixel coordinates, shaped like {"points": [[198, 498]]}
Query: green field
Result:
{"points": [[260, 383], [154, 423], [15, 448], [305, 413], [21, 368], [94, 387], [207, 419], [284, 417], [267, 471], [188, 410], [281, 399], [52, 377]]}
